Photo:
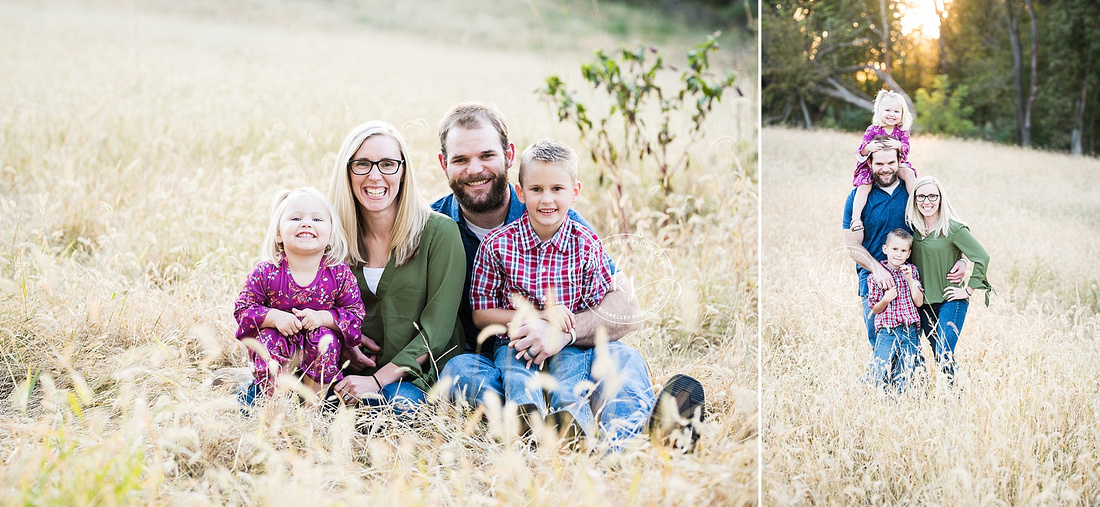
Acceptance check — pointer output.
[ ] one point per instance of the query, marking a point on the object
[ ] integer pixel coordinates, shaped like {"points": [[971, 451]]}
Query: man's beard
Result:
{"points": [[882, 182], [498, 194]]}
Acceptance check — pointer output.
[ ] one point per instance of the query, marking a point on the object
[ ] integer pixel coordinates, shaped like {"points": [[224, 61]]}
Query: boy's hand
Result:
{"points": [[311, 319], [907, 271], [535, 341], [890, 294], [559, 317], [286, 323]]}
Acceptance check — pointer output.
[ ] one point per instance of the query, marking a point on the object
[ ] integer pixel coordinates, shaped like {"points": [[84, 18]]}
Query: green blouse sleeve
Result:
{"points": [[965, 242], [445, 273]]}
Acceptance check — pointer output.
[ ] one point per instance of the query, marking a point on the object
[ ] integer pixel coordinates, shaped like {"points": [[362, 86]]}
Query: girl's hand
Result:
{"points": [[892, 144], [955, 294], [286, 323], [875, 146], [311, 319]]}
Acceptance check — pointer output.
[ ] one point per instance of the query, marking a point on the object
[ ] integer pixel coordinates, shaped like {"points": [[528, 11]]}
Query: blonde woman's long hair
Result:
{"points": [[946, 215], [412, 210], [906, 114], [271, 250]]}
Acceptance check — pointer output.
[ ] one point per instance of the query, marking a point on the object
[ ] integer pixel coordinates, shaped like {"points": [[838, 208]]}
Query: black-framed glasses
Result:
{"points": [[927, 197], [363, 167]]}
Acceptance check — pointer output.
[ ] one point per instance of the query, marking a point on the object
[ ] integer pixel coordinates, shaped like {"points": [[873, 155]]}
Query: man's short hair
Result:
{"points": [[901, 234], [549, 151], [472, 115], [881, 137]]}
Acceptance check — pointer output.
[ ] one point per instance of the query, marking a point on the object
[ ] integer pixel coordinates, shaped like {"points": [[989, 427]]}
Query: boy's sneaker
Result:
{"points": [[680, 405], [565, 425]]}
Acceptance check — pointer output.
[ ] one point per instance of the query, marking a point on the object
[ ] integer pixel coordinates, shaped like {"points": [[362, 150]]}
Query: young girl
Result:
{"points": [[893, 120], [301, 302]]}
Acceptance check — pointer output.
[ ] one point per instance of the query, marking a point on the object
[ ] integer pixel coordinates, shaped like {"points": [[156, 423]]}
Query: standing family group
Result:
{"points": [[912, 251], [369, 295]]}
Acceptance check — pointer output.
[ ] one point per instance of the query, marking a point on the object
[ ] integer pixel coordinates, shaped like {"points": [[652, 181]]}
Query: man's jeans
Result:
{"points": [[895, 358], [942, 323], [622, 402]]}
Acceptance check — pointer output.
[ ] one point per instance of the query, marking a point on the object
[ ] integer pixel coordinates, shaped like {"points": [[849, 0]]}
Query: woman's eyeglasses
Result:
{"points": [[927, 197], [363, 167]]}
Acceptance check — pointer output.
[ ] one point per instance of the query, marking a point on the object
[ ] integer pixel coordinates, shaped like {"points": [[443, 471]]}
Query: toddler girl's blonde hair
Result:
{"points": [[887, 95], [271, 250]]}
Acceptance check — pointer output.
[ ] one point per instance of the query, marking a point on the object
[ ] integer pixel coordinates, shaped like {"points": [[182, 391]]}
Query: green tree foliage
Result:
{"points": [[639, 123], [943, 111], [819, 56]]}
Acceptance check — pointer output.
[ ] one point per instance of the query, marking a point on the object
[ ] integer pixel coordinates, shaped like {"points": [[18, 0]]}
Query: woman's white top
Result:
{"points": [[372, 275]]}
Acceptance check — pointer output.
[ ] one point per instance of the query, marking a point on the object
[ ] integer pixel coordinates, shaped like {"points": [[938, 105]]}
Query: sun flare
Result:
{"points": [[921, 16]]}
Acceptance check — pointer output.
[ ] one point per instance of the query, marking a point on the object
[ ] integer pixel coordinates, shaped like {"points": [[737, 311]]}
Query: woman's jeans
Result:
{"points": [[942, 323]]}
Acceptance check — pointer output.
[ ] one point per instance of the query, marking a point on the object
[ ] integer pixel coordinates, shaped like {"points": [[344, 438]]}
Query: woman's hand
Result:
{"points": [[286, 323], [956, 293], [354, 388], [363, 356]]}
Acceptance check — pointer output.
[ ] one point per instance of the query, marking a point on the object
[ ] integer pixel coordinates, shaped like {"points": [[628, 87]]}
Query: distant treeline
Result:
{"points": [[1014, 71], [715, 14]]}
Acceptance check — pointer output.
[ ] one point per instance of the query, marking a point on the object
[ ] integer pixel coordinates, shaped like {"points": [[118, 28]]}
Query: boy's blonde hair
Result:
{"points": [[906, 115], [550, 151], [947, 213], [901, 234], [412, 211], [271, 250]]}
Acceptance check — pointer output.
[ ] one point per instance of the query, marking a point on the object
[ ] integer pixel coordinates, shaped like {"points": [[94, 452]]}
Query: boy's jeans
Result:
{"points": [[568, 367], [895, 357], [624, 399]]}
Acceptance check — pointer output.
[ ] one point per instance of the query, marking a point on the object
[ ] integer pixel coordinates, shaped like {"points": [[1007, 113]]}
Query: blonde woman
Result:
{"points": [[940, 237], [410, 266]]}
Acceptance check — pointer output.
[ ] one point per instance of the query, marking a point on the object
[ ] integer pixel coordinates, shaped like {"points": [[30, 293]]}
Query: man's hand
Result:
{"points": [[881, 276], [286, 323], [363, 356], [958, 272]]}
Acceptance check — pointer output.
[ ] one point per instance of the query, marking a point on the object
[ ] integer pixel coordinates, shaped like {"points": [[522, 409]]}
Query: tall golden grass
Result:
{"points": [[139, 147], [1021, 427]]}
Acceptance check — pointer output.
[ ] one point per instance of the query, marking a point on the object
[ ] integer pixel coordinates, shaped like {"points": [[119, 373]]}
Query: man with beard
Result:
{"points": [[475, 154], [884, 212]]}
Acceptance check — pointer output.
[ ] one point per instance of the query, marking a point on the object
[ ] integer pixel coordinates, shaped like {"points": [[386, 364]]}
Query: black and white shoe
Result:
{"points": [[680, 406]]}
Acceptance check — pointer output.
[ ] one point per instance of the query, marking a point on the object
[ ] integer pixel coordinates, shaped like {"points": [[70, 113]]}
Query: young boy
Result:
{"points": [[897, 342], [558, 266]]}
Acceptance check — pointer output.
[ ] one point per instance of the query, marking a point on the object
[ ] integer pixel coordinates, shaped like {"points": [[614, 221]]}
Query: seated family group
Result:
{"points": [[911, 249], [372, 296]]}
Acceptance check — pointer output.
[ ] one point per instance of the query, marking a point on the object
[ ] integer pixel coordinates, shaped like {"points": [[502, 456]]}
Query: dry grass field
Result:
{"points": [[140, 143], [1022, 427]]}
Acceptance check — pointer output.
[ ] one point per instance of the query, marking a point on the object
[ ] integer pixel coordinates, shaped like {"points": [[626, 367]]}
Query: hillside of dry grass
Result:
{"points": [[1020, 427], [139, 147]]}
